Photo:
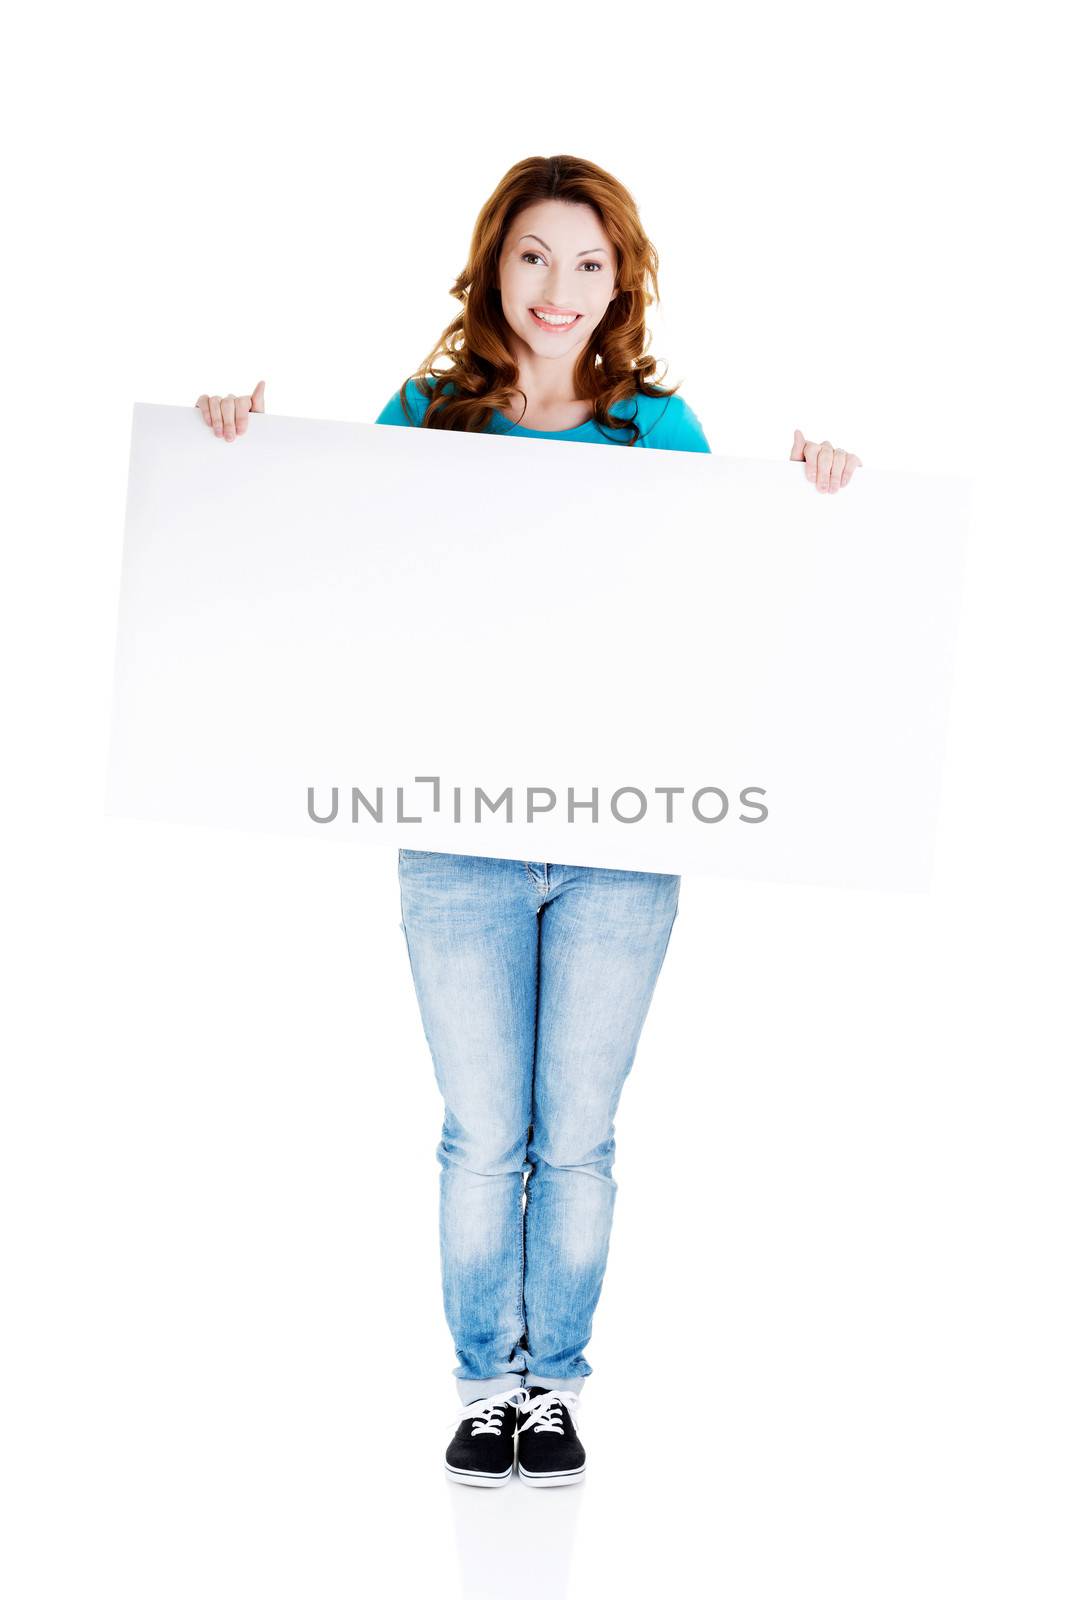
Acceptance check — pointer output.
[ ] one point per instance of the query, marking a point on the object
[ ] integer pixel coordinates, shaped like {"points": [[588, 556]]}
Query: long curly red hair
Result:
{"points": [[613, 365]]}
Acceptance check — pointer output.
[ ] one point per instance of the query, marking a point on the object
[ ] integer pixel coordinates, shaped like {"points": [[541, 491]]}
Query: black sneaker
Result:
{"points": [[482, 1450], [549, 1450]]}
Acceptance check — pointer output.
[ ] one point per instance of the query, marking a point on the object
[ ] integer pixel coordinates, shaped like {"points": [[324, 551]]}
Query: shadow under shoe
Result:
{"points": [[482, 1450], [548, 1449]]}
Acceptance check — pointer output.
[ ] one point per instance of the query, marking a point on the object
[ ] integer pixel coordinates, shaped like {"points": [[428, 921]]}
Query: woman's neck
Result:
{"points": [[548, 385]]}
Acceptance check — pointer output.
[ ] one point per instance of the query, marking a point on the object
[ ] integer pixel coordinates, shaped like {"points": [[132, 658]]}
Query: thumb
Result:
{"points": [[798, 451], [257, 395]]}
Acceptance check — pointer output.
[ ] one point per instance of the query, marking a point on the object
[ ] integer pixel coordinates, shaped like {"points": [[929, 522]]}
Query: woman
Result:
{"points": [[534, 979]]}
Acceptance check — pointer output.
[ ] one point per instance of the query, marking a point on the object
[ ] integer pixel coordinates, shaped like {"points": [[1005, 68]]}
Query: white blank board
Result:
{"points": [[427, 617]]}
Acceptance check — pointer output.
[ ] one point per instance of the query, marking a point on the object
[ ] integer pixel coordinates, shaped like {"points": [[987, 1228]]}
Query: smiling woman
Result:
{"points": [[552, 332], [552, 317], [534, 979]]}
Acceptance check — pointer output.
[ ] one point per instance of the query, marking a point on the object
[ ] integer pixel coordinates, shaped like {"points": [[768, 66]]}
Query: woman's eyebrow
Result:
{"points": [[597, 251]]}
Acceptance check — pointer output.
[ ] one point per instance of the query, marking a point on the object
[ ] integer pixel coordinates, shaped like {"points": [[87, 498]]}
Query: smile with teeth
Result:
{"points": [[553, 320]]}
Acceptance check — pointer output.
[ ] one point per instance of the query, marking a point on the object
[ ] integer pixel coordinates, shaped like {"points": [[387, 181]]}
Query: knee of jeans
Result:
{"points": [[487, 1151], [567, 1149]]}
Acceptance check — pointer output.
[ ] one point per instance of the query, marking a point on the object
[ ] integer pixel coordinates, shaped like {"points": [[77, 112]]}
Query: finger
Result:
{"points": [[241, 406], [811, 453], [216, 415], [257, 395], [228, 416], [798, 451], [204, 407], [840, 457], [851, 463], [823, 466]]}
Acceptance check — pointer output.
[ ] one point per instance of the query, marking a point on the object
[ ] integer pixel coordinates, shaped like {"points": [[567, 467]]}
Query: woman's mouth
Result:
{"points": [[560, 322]]}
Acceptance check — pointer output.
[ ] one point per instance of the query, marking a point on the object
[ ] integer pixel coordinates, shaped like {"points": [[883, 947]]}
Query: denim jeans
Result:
{"points": [[533, 982]]}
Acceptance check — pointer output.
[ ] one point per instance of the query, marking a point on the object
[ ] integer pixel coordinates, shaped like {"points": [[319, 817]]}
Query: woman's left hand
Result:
{"points": [[829, 469]]}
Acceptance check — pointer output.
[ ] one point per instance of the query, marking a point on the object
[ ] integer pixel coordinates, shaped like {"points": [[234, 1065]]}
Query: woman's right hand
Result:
{"points": [[227, 415]]}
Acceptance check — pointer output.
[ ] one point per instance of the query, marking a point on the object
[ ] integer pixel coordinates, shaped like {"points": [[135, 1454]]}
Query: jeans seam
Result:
{"points": [[520, 1318]]}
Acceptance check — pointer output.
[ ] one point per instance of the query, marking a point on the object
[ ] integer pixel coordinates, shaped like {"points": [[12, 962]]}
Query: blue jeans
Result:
{"points": [[533, 982]]}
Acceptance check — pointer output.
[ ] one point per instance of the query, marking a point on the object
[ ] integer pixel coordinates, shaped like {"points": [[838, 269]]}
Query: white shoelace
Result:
{"points": [[545, 1415], [490, 1410]]}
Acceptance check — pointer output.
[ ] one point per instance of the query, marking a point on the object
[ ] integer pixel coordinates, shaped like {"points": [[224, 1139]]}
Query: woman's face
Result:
{"points": [[556, 258]]}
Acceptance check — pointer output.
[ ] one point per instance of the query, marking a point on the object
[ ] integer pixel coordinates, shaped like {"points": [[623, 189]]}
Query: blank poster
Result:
{"points": [[524, 648]]}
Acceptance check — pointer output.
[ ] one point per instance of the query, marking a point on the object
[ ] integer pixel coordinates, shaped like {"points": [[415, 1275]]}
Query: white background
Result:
{"points": [[828, 1359]]}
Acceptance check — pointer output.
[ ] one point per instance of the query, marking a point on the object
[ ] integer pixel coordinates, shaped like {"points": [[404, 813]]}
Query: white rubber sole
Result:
{"points": [[479, 1480], [553, 1480]]}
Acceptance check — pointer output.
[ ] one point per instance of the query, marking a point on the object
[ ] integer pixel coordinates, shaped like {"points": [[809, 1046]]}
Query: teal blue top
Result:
{"points": [[666, 423]]}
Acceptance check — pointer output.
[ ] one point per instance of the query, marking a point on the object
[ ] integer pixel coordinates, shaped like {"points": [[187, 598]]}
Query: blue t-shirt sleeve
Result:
{"points": [[677, 428], [393, 415]]}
